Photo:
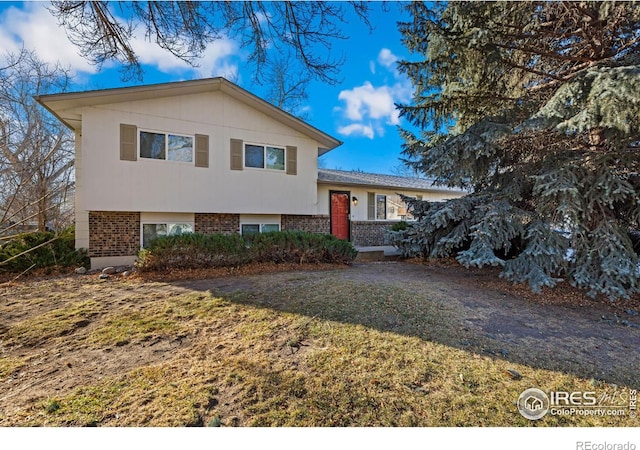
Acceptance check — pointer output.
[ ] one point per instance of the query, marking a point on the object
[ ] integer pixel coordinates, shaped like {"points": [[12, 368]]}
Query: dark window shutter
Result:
{"points": [[202, 150], [292, 160], [236, 154], [128, 142], [371, 205]]}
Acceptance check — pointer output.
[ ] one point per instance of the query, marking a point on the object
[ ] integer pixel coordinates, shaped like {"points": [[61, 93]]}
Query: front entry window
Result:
{"points": [[381, 207]]}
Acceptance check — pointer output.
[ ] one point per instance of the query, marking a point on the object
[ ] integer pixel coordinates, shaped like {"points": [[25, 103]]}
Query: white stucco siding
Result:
{"points": [[156, 185]]}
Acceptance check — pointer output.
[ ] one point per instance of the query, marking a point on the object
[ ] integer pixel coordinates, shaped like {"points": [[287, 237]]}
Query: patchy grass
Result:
{"points": [[296, 349], [10, 365], [159, 395], [53, 324], [175, 316]]}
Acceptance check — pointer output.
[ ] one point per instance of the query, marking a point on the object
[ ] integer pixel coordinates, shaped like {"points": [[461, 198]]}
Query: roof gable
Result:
{"points": [[66, 106]]}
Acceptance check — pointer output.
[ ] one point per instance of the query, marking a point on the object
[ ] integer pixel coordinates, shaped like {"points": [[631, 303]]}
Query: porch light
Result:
{"points": [[354, 199]]}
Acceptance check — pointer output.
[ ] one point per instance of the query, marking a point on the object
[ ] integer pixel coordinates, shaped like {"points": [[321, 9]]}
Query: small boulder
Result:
{"points": [[513, 374], [81, 270], [109, 270]]}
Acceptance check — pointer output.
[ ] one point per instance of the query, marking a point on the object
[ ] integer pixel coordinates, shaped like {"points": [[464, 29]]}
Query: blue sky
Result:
{"points": [[359, 110]]}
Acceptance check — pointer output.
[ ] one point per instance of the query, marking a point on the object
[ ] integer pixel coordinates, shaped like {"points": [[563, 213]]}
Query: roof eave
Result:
{"points": [[327, 142], [114, 95], [383, 186], [54, 113]]}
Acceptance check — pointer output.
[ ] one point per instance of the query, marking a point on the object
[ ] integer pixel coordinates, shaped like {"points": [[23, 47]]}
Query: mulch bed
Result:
{"points": [[249, 269]]}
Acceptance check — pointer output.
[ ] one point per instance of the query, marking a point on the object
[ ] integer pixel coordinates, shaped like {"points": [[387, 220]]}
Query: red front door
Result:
{"points": [[340, 215]]}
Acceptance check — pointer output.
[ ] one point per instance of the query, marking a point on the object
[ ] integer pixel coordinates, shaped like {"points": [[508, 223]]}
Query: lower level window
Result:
{"points": [[151, 231], [249, 228]]}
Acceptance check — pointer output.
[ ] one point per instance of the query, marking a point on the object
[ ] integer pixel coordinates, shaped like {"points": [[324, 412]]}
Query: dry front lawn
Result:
{"points": [[386, 344]]}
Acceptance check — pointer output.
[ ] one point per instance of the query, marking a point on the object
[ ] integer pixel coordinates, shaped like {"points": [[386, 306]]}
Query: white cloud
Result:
{"points": [[367, 100], [33, 27], [212, 63], [374, 106], [215, 60], [370, 109], [387, 59], [357, 129]]}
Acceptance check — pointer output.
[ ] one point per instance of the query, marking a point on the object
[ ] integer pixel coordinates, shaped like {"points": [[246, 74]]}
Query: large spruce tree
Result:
{"points": [[534, 107]]}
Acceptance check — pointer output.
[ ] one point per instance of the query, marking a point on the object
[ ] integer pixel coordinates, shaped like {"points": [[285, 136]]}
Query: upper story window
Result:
{"points": [[264, 157], [147, 144], [245, 155], [166, 146]]}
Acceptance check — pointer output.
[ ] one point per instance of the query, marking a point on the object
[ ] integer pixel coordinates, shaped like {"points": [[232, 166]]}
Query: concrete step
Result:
{"points": [[370, 254]]}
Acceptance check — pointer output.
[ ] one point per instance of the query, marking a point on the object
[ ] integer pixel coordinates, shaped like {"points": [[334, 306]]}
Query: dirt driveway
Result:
{"points": [[570, 332]]}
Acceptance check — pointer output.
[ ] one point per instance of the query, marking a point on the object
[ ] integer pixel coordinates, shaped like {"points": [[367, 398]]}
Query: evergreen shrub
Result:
{"points": [[191, 251], [60, 252]]}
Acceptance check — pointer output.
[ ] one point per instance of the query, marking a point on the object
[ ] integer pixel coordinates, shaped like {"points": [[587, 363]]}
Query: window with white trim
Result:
{"points": [[264, 157], [255, 228], [388, 207], [165, 146], [151, 231], [381, 207]]}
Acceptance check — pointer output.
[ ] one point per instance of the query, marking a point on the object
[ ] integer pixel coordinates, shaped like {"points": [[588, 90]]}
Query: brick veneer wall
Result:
{"points": [[311, 224], [113, 233], [370, 233], [209, 223]]}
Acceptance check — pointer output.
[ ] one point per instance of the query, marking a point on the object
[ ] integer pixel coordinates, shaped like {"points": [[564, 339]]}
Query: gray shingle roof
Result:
{"points": [[328, 176]]}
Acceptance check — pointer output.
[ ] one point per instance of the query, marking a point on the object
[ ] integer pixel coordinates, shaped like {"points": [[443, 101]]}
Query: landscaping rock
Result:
{"points": [[104, 276], [81, 270], [513, 374], [109, 270]]}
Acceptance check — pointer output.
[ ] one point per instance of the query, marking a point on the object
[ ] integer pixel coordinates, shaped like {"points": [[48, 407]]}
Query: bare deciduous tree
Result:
{"points": [[287, 88], [36, 151], [404, 170], [104, 30]]}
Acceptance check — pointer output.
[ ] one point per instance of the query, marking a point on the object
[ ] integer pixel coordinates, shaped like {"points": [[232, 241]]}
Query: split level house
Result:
{"points": [[208, 156]]}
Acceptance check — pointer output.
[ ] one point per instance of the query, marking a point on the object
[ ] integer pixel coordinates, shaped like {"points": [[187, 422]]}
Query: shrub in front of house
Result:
{"points": [[41, 250], [300, 247], [192, 251], [399, 226]]}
